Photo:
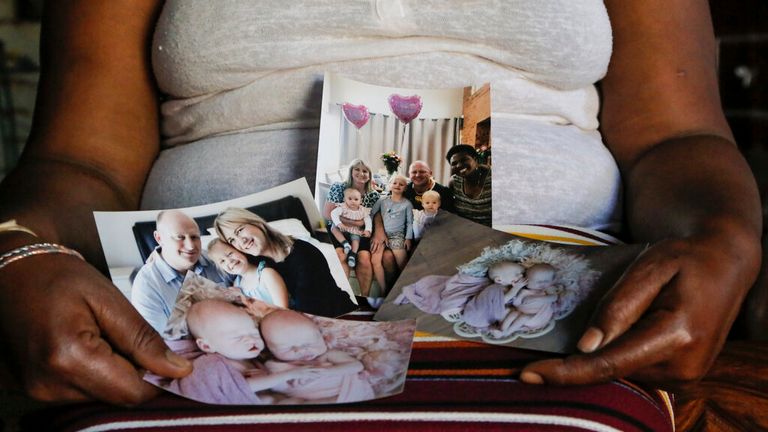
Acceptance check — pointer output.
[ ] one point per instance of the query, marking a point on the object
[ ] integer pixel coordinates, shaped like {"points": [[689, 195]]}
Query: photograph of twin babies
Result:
{"points": [[472, 282], [247, 351], [250, 289]]}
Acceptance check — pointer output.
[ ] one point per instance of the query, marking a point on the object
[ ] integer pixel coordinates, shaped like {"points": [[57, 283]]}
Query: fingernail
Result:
{"points": [[531, 378], [176, 359], [591, 340]]}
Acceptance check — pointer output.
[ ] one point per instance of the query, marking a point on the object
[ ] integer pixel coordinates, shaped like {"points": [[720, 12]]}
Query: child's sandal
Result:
{"points": [[352, 260]]}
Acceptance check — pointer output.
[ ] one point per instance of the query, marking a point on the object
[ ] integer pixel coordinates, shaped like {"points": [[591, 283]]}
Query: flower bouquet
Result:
{"points": [[391, 161]]}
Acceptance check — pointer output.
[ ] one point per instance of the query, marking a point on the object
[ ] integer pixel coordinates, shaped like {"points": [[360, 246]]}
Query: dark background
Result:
{"points": [[742, 32]]}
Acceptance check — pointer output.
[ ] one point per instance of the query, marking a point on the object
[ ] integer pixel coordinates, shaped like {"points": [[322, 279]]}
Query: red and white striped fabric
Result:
{"points": [[451, 386]]}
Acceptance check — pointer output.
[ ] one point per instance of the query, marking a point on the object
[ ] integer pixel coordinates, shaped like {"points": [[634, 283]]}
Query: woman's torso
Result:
{"points": [[310, 283], [243, 82], [476, 207]]}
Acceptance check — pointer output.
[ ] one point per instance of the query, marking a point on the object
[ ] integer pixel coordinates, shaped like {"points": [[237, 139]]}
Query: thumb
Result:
{"points": [[132, 336]]}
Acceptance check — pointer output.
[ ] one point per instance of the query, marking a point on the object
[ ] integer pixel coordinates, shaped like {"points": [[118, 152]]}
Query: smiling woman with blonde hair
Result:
{"points": [[359, 177], [302, 266], [232, 219]]}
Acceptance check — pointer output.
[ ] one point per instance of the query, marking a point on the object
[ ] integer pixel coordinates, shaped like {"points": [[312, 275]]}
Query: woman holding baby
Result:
{"points": [[358, 178], [303, 268], [255, 280]]}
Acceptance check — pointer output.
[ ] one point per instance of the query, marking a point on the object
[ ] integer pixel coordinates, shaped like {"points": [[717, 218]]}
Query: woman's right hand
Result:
{"points": [[69, 334]]}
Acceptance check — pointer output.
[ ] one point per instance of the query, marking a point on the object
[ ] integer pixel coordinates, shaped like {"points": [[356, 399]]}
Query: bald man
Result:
{"points": [[158, 282], [420, 175]]}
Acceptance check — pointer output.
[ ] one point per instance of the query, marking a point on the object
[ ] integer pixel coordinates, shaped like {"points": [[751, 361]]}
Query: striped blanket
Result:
{"points": [[451, 386]]}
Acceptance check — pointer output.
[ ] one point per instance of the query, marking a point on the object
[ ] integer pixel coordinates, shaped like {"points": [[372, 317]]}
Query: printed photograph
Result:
{"points": [[469, 281], [249, 352], [266, 245], [389, 160]]}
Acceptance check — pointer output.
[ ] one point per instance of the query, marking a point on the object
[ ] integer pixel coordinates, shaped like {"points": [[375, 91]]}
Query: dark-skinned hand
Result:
{"points": [[664, 321], [71, 335]]}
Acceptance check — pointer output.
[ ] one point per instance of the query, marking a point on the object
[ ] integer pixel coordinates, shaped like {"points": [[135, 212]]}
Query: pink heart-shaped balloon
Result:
{"points": [[406, 108], [358, 115]]}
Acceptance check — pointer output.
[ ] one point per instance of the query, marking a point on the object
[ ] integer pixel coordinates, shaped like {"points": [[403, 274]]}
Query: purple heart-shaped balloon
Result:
{"points": [[358, 115], [406, 108]]}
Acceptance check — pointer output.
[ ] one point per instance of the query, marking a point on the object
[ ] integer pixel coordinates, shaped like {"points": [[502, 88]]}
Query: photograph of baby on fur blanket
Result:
{"points": [[517, 290], [469, 281]]}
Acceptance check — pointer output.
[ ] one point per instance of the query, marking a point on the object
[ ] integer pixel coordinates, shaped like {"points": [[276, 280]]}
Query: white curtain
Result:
{"points": [[424, 139]]}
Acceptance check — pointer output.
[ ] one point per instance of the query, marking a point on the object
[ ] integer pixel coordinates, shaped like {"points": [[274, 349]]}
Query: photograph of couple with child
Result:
{"points": [[248, 352], [387, 167], [262, 244]]}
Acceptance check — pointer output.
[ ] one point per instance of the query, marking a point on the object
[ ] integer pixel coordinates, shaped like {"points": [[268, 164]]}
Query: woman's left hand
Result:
{"points": [[666, 319], [687, 190]]}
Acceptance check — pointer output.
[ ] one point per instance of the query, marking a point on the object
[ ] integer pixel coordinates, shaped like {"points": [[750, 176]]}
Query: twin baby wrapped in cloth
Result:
{"points": [[512, 299], [230, 368], [246, 351]]}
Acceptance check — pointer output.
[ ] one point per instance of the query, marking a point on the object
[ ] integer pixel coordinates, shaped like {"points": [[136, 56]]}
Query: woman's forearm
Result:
{"points": [[694, 186], [95, 129], [662, 120], [688, 191], [59, 204]]}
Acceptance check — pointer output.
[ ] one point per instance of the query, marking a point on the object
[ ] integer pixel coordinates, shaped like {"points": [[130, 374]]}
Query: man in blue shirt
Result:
{"points": [[158, 282]]}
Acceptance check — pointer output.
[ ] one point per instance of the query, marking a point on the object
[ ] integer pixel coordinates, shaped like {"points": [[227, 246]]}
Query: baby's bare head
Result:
{"points": [[506, 272], [222, 327], [430, 201], [290, 336], [540, 276]]}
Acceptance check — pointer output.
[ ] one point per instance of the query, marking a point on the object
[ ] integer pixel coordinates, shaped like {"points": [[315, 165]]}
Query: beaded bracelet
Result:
{"points": [[35, 249]]}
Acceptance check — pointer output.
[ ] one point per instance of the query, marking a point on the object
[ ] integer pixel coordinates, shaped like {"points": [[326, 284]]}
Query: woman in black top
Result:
{"points": [[303, 267]]}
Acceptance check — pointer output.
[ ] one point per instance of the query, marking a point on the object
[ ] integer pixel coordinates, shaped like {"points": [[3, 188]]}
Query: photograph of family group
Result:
{"points": [[249, 352], [389, 161], [472, 282]]}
